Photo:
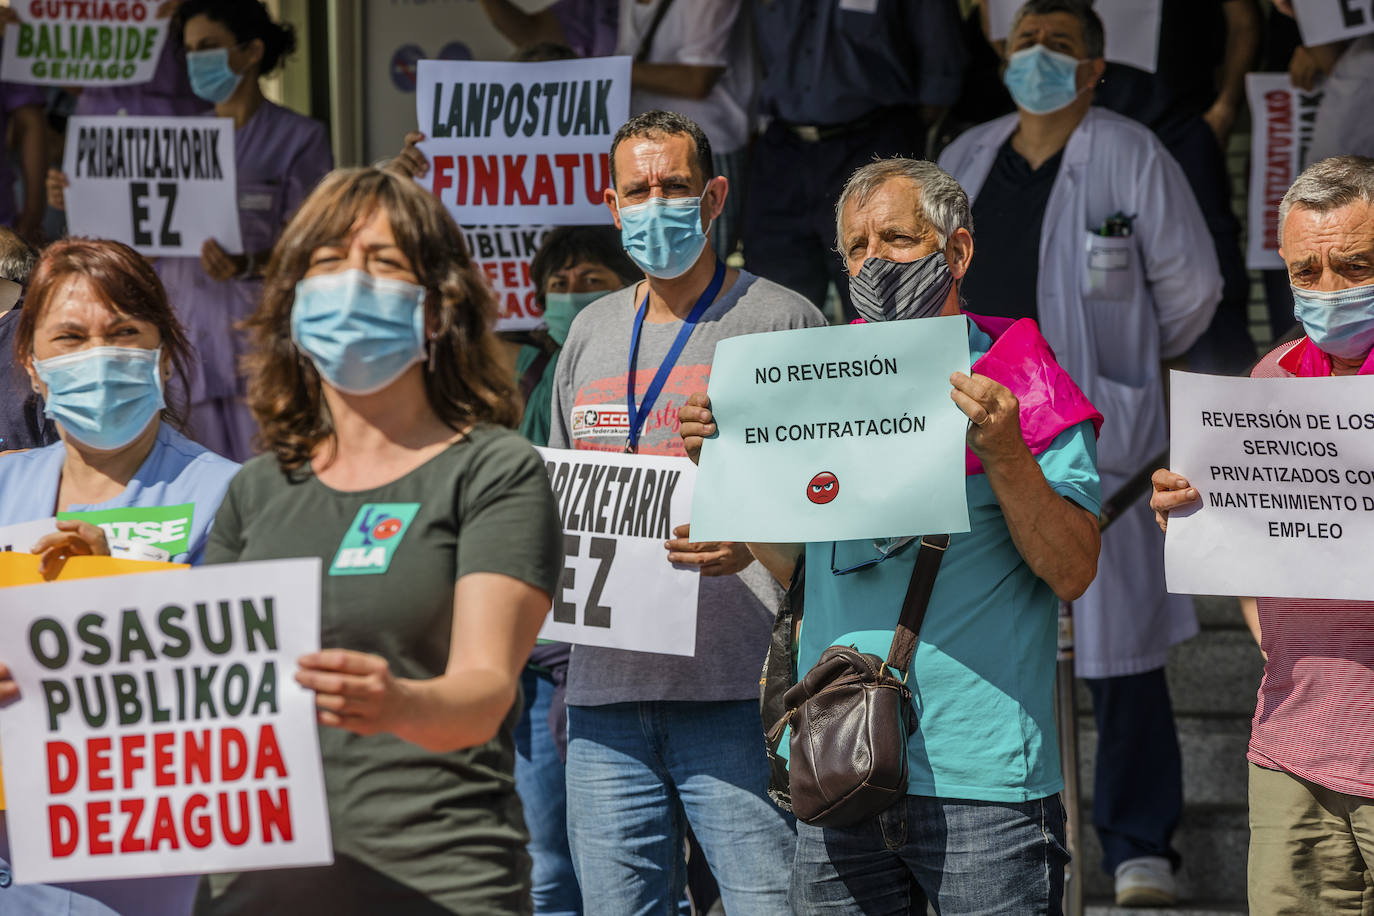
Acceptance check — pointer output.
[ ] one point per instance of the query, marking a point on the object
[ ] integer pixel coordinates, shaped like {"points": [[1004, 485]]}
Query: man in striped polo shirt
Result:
{"points": [[1312, 741]]}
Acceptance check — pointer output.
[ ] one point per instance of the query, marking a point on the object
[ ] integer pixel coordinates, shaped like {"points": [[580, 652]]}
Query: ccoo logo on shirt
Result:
{"points": [[371, 540]]}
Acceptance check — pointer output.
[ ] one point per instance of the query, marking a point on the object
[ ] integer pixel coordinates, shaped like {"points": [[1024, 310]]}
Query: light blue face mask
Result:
{"points": [[103, 397], [361, 332], [663, 235], [561, 308], [1340, 323], [1041, 80], [211, 78]]}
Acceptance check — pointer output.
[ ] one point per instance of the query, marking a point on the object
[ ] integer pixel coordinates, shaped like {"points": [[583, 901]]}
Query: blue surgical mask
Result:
{"points": [[1041, 80], [103, 397], [361, 332], [1340, 323], [561, 308], [211, 78], [663, 235]]}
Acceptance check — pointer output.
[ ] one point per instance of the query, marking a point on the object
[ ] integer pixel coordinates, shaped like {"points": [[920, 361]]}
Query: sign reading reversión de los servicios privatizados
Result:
{"points": [[835, 433]]}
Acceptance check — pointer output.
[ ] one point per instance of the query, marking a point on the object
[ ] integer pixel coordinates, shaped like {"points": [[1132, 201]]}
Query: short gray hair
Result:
{"points": [[1094, 37], [17, 257], [944, 203], [1329, 185]]}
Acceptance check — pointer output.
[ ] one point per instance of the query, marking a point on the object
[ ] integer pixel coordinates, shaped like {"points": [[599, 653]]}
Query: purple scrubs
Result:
{"points": [[13, 96], [167, 94], [589, 26], [280, 156]]}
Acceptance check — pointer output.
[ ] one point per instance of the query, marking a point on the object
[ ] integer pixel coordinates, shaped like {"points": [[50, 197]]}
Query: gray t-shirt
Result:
{"points": [[734, 613]]}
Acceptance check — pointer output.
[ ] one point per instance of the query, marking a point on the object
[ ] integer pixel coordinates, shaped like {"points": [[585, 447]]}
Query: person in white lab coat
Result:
{"points": [[1086, 224]]}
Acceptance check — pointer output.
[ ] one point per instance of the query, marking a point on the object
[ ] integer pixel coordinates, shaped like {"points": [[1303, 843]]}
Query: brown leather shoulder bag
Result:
{"points": [[850, 716]]}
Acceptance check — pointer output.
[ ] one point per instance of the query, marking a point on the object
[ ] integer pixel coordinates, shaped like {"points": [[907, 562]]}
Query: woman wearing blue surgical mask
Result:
{"points": [[279, 156], [387, 417], [103, 349]]}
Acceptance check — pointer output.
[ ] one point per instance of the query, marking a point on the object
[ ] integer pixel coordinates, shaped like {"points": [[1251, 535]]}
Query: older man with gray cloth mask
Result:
{"points": [[22, 423], [981, 828]]}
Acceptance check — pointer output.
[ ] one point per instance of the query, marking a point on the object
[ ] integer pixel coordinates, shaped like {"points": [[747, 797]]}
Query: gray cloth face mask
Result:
{"points": [[893, 290]]}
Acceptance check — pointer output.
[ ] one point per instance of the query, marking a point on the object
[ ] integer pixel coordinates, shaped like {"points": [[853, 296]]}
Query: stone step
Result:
{"points": [[1216, 612], [1214, 768], [1216, 673], [1213, 845]]}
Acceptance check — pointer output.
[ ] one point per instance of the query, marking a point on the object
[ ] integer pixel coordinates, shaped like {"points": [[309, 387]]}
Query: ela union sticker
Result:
{"points": [[371, 540]]}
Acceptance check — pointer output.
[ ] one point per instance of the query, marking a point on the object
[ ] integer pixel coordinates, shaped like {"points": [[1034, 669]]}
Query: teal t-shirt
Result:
{"points": [[534, 423], [982, 678]]}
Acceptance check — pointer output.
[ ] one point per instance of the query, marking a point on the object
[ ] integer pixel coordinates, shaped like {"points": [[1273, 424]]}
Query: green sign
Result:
{"points": [[168, 527]]}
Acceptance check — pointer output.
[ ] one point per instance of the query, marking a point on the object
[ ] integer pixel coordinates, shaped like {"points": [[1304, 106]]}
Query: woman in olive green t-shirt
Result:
{"points": [[386, 416]]}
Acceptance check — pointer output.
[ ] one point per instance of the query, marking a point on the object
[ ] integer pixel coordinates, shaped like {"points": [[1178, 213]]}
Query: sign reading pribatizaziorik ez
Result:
{"points": [[829, 434], [160, 185], [1285, 469], [618, 589]]}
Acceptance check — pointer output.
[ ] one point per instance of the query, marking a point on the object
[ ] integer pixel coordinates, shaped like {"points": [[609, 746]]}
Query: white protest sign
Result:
{"points": [[159, 730], [19, 538], [1131, 28], [1285, 468], [160, 185], [521, 144], [1282, 118], [618, 589], [504, 255], [1325, 21], [832, 434], [83, 42]]}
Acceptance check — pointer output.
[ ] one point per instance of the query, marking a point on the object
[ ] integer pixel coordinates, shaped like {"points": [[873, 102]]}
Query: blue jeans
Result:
{"points": [[638, 773], [539, 780], [966, 857]]}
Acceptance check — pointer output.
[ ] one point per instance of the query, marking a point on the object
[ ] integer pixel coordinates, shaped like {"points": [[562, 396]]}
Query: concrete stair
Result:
{"points": [[1212, 679]]}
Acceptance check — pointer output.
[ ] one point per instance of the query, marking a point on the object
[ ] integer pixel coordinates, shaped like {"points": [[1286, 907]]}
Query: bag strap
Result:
{"points": [[917, 599], [647, 42]]}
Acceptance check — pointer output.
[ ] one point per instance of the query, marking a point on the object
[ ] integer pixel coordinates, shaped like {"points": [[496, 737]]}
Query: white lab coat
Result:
{"points": [[1112, 308]]}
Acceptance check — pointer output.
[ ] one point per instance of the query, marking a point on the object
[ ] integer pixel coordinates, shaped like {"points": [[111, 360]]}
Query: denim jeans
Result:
{"points": [[539, 780], [638, 773], [965, 857]]}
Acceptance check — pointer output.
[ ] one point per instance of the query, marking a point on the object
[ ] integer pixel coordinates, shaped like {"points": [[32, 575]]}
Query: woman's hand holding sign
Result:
{"points": [[71, 539], [353, 690], [724, 558]]}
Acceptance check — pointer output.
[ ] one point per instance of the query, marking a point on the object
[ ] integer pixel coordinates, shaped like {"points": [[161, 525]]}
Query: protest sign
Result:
{"points": [[1282, 118], [835, 433], [83, 42], [159, 730], [504, 255], [1131, 27], [1325, 21], [160, 185], [19, 538], [618, 589], [1285, 469], [521, 144]]}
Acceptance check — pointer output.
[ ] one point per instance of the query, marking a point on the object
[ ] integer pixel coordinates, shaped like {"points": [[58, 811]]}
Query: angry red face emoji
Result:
{"points": [[823, 488]]}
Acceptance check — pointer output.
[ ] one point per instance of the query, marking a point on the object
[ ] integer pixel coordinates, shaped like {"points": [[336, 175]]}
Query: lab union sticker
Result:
{"points": [[371, 540]]}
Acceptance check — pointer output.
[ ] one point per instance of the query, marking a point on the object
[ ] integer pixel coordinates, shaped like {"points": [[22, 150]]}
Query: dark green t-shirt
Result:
{"points": [[414, 831]]}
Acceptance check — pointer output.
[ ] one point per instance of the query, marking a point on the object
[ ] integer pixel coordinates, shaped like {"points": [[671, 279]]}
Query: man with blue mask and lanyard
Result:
{"points": [[1087, 225], [1311, 762], [656, 742]]}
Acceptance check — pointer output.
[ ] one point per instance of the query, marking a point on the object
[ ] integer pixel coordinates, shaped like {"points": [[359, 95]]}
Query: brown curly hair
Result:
{"points": [[464, 379]]}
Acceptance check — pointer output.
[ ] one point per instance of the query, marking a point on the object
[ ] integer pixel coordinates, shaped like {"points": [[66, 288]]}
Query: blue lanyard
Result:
{"points": [[637, 415]]}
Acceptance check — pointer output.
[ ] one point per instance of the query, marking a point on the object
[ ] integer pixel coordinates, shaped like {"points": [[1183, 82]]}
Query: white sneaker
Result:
{"points": [[1146, 881]]}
